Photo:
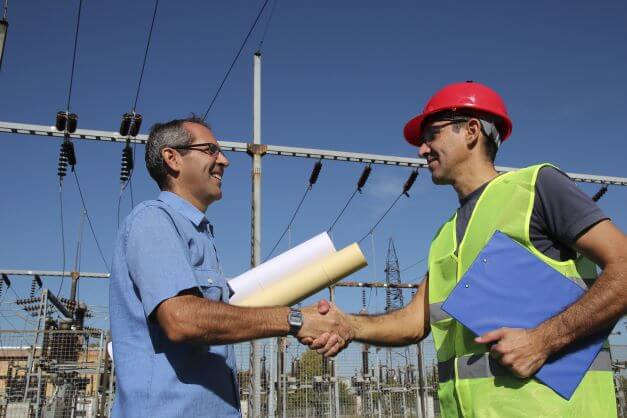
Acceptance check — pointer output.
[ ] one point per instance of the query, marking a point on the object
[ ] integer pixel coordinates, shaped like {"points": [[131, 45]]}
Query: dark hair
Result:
{"points": [[168, 134]]}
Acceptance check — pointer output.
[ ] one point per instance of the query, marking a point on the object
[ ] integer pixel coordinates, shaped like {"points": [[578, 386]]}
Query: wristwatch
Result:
{"points": [[295, 319]]}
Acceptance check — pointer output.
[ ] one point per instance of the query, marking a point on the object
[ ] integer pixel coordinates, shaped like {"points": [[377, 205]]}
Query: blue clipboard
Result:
{"points": [[508, 286]]}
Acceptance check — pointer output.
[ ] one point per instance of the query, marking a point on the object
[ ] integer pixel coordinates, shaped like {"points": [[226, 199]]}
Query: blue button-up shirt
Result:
{"points": [[164, 247]]}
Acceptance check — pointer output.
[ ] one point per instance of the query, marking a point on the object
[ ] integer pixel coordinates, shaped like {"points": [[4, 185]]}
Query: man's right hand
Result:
{"points": [[325, 329]]}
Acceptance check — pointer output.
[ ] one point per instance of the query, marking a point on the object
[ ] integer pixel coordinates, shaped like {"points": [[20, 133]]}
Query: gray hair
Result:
{"points": [[169, 134], [490, 126]]}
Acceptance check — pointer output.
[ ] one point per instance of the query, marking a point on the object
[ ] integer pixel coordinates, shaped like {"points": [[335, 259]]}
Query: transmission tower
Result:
{"points": [[393, 297]]}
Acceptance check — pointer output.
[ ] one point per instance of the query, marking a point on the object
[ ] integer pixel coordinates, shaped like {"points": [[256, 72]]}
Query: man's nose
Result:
{"points": [[222, 160], [423, 150]]}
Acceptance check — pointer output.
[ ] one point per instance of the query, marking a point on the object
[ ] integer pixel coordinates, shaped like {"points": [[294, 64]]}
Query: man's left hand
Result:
{"points": [[523, 351]]}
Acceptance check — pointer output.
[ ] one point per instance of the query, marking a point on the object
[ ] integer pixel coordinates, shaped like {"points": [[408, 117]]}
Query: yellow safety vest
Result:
{"points": [[471, 383]]}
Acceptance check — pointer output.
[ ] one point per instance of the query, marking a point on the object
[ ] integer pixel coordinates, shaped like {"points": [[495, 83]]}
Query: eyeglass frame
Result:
{"points": [[212, 149], [435, 130]]}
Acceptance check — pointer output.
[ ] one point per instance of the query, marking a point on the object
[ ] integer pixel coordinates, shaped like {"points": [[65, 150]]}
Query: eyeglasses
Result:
{"points": [[208, 148], [429, 133]]}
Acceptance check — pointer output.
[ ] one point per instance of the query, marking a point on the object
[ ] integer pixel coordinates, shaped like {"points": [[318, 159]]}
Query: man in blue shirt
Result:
{"points": [[171, 322]]}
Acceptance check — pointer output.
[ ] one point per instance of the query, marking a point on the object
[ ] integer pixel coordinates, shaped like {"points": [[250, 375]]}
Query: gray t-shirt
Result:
{"points": [[561, 214]]}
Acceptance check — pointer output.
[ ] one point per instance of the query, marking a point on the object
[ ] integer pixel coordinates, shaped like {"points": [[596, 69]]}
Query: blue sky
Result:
{"points": [[336, 75]]}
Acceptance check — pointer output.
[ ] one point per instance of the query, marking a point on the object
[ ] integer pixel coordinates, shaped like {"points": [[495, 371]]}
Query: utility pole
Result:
{"points": [[256, 151]]}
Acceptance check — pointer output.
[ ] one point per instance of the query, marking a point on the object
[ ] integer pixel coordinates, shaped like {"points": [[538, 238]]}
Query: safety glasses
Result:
{"points": [[429, 133]]}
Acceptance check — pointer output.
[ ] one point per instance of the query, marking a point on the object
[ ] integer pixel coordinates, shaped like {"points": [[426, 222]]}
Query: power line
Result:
{"points": [[313, 178], [141, 74], [226, 76], [62, 237], [265, 31], [67, 121], [415, 264], [406, 187], [381, 218], [289, 224], [342, 211], [78, 22], [91, 227], [360, 184], [131, 123]]}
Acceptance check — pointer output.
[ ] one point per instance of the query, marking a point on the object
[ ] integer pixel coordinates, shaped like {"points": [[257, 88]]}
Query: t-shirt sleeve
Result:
{"points": [[157, 260], [567, 211]]}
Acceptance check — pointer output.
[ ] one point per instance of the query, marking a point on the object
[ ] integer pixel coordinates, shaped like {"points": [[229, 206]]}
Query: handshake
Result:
{"points": [[326, 328]]}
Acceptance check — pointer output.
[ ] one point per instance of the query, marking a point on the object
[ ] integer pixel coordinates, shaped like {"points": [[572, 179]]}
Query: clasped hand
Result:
{"points": [[325, 329]]}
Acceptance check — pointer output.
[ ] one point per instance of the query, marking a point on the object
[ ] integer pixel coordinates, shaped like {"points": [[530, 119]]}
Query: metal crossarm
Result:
{"points": [[355, 157]]}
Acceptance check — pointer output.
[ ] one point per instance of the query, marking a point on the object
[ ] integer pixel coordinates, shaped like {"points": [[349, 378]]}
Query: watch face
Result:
{"points": [[295, 318]]}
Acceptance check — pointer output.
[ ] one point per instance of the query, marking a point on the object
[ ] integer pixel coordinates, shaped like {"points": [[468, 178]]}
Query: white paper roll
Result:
{"points": [[309, 280], [285, 264]]}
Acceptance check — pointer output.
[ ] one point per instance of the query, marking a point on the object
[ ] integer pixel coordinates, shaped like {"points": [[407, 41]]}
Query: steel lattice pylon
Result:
{"points": [[393, 296]]}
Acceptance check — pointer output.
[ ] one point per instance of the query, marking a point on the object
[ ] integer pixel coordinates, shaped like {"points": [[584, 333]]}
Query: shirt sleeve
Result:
{"points": [[157, 259], [567, 212]]}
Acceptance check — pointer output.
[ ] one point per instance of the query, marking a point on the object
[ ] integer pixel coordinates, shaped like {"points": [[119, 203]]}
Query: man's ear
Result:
{"points": [[172, 160], [473, 133]]}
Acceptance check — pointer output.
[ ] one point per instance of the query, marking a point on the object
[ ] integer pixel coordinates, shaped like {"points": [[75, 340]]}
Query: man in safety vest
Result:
{"points": [[459, 133]]}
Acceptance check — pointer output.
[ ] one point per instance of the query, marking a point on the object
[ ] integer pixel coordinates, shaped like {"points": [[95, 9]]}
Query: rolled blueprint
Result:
{"points": [[309, 280], [264, 275]]}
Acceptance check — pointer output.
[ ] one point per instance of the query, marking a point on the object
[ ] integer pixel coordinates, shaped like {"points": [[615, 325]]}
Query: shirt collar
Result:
{"points": [[183, 207]]}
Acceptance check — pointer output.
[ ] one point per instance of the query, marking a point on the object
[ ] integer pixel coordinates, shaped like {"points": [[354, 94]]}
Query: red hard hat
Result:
{"points": [[459, 96]]}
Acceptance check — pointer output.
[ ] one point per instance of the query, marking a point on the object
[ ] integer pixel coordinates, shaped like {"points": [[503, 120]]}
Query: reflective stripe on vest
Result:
{"points": [[478, 366]]}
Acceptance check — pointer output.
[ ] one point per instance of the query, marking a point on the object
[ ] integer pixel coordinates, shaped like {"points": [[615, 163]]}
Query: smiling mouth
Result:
{"points": [[217, 176]]}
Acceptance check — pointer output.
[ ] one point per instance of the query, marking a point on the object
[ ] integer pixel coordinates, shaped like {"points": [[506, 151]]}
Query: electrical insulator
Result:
{"points": [[315, 173], [125, 126], [598, 195], [61, 121], [364, 177], [33, 285], [410, 182], [127, 163], [69, 151], [62, 169], [72, 122], [6, 280], [137, 123], [1, 289], [66, 156]]}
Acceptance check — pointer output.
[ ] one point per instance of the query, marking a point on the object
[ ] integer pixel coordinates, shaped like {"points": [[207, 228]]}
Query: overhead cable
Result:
{"points": [[131, 122], [91, 226], [226, 76], [414, 264], [62, 239], [406, 187], [67, 123], [265, 30], [78, 22], [313, 178], [141, 74], [360, 184]]}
